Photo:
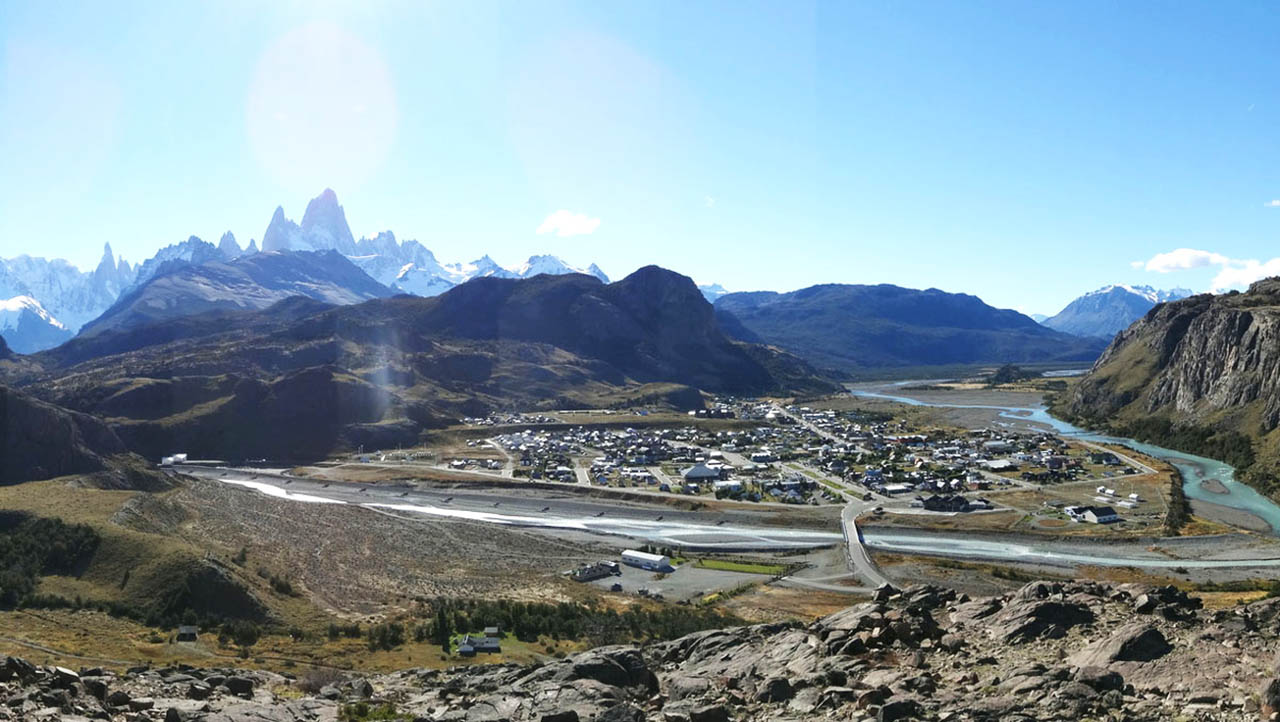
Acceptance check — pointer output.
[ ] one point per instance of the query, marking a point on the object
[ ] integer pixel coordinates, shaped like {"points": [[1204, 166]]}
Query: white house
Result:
{"points": [[1100, 515]]}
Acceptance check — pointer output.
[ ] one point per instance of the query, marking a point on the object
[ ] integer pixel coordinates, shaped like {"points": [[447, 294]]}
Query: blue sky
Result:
{"points": [[1023, 152]]}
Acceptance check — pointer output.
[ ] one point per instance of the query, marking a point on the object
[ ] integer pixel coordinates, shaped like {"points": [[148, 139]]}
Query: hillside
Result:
{"points": [[301, 379], [1109, 310], [41, 441], [851, 327], [1198, 374]]}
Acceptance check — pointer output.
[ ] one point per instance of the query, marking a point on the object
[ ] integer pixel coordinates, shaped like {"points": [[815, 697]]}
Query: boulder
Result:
{"points": [[242, 686], [774, 689], [1099, 678], [118, 698], [1025, 621], [1136, 642], [899, 708], [362, 688], [709, 713]]}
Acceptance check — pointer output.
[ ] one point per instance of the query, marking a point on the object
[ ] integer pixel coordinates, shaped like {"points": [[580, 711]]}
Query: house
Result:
{"points": [[946, 503], [1100, 515], [699, 473], [471, 644], [188, 633], [493, 631]]}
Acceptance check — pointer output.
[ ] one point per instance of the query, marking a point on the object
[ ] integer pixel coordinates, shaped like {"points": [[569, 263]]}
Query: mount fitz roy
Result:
{"points": [[45, 302], [404, 266]]}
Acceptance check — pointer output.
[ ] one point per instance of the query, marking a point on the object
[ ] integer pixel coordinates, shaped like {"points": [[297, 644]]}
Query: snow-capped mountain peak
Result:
{"points": [[553, 265], [1154, 295], [1110, 309], [27, 327], [11, 308], [712, 291]]}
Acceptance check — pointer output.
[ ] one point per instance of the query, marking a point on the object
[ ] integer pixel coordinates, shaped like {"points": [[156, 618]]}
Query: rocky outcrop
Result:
{"points": [[922, 653]]}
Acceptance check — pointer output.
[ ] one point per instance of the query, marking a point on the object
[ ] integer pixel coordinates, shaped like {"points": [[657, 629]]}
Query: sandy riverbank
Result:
{"points": [[1227, 515]]}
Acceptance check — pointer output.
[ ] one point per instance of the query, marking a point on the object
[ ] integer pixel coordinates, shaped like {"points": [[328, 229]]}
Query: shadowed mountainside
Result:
{"points": [[249, 282], [41, 441], [302, 379]]}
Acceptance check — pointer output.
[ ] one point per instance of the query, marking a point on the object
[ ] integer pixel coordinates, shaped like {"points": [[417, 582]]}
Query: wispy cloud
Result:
{"points": [[709, 202], [1232, 273], [566, 223], [1272, 204]]}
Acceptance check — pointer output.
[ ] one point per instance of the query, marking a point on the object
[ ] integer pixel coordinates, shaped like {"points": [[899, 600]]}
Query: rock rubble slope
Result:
{"points": [[1049, 651]]}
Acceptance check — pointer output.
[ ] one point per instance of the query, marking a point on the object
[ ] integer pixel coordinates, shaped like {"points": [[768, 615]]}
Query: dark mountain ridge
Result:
{"points": [[853, 327], [302, 379]]}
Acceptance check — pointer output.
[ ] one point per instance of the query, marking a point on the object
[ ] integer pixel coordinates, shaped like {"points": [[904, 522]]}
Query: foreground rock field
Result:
{"points": [[1050, 651]]}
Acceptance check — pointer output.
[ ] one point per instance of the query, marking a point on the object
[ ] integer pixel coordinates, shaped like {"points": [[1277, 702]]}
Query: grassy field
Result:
{"points": [[727, 565]]}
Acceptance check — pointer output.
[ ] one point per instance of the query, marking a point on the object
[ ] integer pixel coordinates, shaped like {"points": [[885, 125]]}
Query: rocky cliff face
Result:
{"points": [[1208, 360], [1050, 651]]}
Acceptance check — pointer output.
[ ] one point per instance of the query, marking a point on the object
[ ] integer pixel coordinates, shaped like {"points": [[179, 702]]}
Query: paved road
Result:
{"points": [[859, 560]]}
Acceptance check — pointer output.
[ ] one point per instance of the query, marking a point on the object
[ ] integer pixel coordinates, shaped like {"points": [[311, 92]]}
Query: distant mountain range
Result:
{"points": [[853, 328], [1109, 310], [47, 301]]}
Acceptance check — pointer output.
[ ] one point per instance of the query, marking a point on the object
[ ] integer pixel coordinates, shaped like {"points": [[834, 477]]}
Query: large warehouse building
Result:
{"points": [[644, 560]]}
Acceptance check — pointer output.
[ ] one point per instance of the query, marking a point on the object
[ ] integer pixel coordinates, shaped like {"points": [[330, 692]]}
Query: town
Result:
{"points": [[759, 451]]}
